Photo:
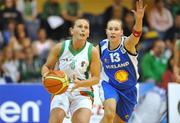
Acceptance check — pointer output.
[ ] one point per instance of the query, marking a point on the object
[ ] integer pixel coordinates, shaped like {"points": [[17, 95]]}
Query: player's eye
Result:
{"points": [[80, 26], [86, 27], [110, 28], [116, 29]]}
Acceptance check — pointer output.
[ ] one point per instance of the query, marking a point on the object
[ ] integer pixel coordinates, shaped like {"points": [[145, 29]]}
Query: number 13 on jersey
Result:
{"points": [[114, 57]]}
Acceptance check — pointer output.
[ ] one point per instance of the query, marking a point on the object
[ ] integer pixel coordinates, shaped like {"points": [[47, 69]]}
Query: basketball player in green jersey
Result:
{"points": [[80, 60], [176, 67]]}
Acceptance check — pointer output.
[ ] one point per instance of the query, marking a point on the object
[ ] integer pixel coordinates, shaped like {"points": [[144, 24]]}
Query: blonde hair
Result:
{"points": [[114, 20]]}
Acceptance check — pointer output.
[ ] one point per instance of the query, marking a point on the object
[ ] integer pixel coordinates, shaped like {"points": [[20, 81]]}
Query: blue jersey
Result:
{"points": [[119, 68]]}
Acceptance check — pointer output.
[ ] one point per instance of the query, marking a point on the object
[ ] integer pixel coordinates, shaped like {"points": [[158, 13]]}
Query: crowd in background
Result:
{"points": [[26, 36]]}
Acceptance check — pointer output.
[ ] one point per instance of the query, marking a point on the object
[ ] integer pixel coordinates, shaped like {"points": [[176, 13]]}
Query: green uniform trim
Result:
{"points": [[90, 52], [89, 59], [62, 48], [178, 42], [89, 93], [75, 52]]}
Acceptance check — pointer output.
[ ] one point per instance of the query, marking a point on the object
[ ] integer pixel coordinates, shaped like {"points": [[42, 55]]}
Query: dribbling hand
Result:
{"points": [[77, 83]]}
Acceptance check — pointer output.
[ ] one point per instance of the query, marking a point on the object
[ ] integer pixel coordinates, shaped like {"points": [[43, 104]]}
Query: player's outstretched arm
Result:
{"points": [[133, 39], [51, 60]]}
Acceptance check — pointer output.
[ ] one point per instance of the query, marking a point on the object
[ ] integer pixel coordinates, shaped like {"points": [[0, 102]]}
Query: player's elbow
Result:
{"points": [[97, 80]]}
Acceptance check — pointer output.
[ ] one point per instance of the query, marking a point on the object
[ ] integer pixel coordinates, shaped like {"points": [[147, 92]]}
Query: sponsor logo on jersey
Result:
{"points": [[113, 66], [127, 116], [106, 60], [121, 76], [123, 50]]}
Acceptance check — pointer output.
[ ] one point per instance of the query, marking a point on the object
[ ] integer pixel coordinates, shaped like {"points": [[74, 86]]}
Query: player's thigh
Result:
{"points": [[81, 107], [107, 91], [81, 115], [79, 102], [60, 102], [57, 115], [117, 119]]}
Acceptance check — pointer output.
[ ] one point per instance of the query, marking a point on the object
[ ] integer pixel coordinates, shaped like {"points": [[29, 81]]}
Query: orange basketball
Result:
{"points": [[56, 82]]}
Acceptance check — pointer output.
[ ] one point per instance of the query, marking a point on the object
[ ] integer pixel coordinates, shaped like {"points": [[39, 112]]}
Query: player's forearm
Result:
{"points": [[138, 24], [44, 70], [90, 82]]}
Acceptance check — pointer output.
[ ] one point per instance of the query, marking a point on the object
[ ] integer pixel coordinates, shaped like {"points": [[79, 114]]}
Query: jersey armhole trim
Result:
{"points": [[99, 50], [90, 53], [129, 51], [62, 49]]}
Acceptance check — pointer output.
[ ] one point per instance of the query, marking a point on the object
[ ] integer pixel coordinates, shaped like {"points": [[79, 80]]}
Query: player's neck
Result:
{"points": [[76, 45], [114, 44]]}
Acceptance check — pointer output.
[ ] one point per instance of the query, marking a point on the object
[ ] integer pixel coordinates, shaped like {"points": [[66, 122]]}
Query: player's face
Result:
{"points": [[80, 31], [114, 30]]}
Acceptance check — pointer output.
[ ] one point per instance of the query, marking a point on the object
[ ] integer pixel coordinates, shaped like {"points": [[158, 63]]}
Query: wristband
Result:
{"points": [[136, 33]]}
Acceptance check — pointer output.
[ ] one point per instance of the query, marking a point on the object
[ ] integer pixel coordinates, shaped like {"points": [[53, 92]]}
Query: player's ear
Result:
{"points": [[106, 31], [122, 32], [88, 35], [71, 30]]}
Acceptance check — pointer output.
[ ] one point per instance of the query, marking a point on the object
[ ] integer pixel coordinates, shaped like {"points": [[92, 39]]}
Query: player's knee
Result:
{"points": [[82, 120], [56, 116], [110, 113]]}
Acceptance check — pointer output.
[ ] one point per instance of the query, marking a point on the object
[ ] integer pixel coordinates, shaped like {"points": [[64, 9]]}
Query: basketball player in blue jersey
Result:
{"points": [[119, 69]]}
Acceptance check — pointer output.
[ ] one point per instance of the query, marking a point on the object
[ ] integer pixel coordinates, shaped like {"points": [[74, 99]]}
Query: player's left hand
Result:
{"points": [[140, 9], [77, 83]]}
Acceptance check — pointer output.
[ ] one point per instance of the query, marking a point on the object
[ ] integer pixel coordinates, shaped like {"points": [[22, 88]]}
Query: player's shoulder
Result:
{"points": [[61, 45], [123, 39], [102, 42]]}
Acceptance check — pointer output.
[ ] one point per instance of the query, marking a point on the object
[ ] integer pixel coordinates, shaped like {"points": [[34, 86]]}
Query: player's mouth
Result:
{"points": [[112, 36], [82, 35]]}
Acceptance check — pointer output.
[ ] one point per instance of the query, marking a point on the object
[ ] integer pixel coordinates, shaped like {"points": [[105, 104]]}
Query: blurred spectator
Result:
{"points": [[10, 66], [173, 33], [153, 64], [160, 18], [174, 6], [1, 4], [176, 67], [70, 12], [9, 13], [51, 7], [28, 8], [115, 11], [29, 68], [2, 79], [52, 20], [42, 45], [9, 32], [128, 23], [168, 75], [1, 40], [21, 40]]}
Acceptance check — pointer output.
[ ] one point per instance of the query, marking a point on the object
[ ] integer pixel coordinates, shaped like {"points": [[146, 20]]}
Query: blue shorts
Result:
{"points": [[126, 99]]}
